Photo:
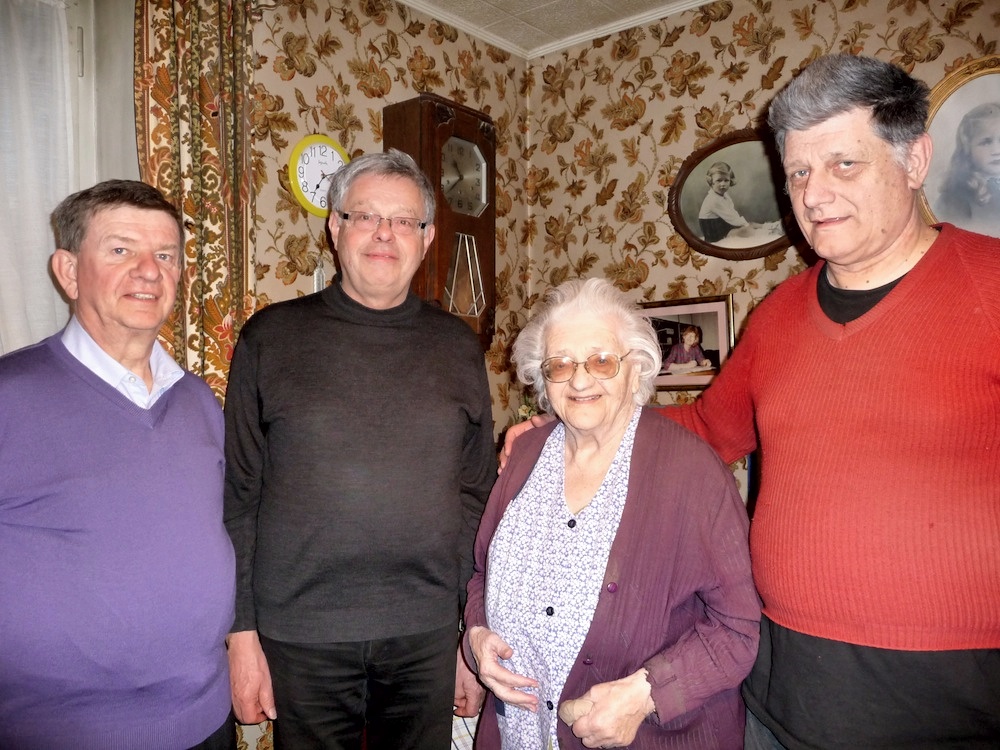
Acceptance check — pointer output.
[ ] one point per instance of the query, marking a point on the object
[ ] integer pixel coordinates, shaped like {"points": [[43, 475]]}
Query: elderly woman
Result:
{"points": [[612, 583]]}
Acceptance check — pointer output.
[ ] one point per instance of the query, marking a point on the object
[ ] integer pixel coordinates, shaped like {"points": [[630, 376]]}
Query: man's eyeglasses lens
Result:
{"points": [[602, 366], [401, 225]]}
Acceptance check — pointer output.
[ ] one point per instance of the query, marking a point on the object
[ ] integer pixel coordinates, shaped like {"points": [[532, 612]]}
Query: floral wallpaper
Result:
{"points": [[590, 139], [331, 66]]}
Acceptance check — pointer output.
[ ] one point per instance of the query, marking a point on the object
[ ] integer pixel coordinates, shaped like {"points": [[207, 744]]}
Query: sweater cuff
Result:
{"points": [[246, 619], [665, 690]]}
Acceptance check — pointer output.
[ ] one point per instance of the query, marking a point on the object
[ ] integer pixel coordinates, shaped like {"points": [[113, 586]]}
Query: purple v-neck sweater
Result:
{"points": [[116, 572]]}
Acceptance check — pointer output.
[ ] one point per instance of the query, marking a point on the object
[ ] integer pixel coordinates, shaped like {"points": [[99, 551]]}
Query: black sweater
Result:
{"points": [[359, 456]]}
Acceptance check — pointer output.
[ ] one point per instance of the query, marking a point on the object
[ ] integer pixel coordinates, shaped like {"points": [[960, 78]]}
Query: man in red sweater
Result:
{"points": [[871, 385]]}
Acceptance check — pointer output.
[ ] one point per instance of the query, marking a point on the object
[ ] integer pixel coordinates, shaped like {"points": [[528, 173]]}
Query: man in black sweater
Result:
{"points": [[360, 453]]}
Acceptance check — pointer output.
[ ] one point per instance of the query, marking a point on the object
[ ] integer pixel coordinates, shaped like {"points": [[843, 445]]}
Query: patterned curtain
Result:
{"points": [[192, 77]]}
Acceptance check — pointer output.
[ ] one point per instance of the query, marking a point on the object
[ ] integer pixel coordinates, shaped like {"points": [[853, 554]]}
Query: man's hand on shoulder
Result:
{"points": [[515, 431]]}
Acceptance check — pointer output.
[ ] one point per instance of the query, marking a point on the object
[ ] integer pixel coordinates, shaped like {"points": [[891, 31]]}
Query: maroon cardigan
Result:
{"points": [[677, 596]]}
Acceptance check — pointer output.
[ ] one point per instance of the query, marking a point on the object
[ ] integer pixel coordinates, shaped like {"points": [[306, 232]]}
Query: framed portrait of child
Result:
{"points": [[963, 184], [727, 200]]}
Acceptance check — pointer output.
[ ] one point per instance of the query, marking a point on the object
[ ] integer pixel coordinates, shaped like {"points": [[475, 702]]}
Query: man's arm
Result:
{"points": [[249, 676], [250, 679], [469, 694], [723, 415], [244, 467], [478, 473]]}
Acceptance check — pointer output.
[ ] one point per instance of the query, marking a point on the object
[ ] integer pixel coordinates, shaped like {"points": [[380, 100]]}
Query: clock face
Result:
{"points": [[463, 176], [313, 162]]}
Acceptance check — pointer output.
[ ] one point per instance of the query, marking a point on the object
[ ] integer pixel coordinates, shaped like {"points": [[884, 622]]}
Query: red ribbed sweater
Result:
{"points": [[878, 517]]}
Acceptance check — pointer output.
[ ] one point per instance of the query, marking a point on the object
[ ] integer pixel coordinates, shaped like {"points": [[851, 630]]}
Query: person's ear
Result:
{"points": [[918, 161], [333, 224], [428, 238], [64, 267]]}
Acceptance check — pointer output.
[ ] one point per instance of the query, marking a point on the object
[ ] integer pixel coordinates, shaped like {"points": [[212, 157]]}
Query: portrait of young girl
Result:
{"points": [[970, 193]]}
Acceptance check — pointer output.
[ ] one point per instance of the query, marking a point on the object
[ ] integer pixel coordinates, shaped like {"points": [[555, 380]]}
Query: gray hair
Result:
{"points": [[391, 163], [835, 84], [71, 218], [600, 297]]}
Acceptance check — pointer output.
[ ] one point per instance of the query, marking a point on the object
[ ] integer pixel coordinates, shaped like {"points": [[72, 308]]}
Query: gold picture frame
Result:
{"points": [[950, 192]]}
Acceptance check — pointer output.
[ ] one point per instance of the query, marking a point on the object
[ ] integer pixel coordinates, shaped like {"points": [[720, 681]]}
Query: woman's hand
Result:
{"points": [[610, 713], [489, 648]]}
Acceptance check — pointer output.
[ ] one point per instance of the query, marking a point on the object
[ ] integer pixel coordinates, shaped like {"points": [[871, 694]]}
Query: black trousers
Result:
{"points": [[223, 738], [396, 692]]}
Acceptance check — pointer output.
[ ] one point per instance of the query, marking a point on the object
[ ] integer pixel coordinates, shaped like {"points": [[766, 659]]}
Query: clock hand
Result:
{"points": [[452, 184], [319, 184]]}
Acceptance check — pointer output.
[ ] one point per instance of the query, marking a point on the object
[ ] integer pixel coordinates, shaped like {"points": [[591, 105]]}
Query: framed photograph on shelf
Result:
{"points": [[963, 183], [696, 336], [728, 199]]}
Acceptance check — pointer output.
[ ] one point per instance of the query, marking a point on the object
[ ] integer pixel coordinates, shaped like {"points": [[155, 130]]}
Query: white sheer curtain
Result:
{"points": [[36, 141]]}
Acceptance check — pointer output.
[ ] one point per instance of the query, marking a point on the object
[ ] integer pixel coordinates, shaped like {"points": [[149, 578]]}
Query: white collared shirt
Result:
{"points": [[165, 370]]}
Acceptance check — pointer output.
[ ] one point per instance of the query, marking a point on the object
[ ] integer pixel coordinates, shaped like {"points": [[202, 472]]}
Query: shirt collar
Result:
{"points": [[165, 370]]}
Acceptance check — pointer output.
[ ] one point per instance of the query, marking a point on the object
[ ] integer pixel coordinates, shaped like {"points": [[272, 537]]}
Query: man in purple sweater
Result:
{"points": [[117, 576]]}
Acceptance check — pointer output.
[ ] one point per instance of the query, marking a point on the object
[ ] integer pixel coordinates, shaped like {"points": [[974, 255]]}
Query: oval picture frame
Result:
{"points": [[755, 196]]}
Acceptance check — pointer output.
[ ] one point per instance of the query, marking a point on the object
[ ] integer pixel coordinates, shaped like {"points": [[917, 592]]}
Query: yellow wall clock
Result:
{"points": [[313, 162]]}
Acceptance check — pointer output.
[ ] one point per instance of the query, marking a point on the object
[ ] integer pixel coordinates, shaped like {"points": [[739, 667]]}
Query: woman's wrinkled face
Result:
{"points": [[585, 403]]}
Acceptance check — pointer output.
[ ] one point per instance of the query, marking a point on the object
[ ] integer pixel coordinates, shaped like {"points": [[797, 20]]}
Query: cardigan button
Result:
{"points": [[548, 704], [549, 611], [612, 587], [571, 523]]}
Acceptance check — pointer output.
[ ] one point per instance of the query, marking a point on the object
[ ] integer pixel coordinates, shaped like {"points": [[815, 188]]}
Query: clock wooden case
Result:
{"points": [[456, 147]]}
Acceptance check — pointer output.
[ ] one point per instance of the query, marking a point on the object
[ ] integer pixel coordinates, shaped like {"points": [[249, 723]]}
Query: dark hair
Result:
{"points": [[392, 163], [691, 329], [72, 216], [835, 84]]}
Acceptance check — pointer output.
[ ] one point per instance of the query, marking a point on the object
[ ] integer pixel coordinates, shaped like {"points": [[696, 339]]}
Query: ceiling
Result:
{"points": [[532, 28]]}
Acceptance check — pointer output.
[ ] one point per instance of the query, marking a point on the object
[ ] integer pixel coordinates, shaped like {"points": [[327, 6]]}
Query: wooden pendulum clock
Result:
{"points": [[456, 148]]}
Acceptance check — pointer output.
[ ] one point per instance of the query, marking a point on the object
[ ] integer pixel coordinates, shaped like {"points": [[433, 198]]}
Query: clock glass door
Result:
{"points": [[463, 181], [464, 293]]}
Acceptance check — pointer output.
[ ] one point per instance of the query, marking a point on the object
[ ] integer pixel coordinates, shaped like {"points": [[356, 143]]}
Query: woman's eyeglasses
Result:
{"points": [[602, 366]]}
